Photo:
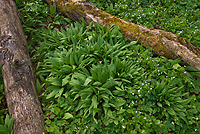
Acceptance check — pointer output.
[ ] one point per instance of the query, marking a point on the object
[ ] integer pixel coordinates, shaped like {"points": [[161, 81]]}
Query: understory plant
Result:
{"points": [[180, 17], [96, 82], [93, 81]]}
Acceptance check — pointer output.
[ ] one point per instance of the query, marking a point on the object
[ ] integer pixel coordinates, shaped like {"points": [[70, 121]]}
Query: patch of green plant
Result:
{"points": [[96, 82], [180, 17], [37, 17], [7, 126], [3, 108]]}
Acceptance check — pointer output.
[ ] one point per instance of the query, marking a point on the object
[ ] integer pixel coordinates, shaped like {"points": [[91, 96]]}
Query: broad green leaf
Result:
{"points": [[80, 77], [190, 69], [104, 96], [175, 107], [94, 101], [10, 124], [176, 99], [81, 59], [97, 110], [53, 11], [105, 109], [59, 93], [113, 105], [76, 59], [94, 118], [67, 116], [110, 114], [184, 118], [167, 102], [181, 113], [125, 80], [109, 84], [186, 101], [66, 69], [119, 103], [88, 27], [65, 80], [85, 62], [109, 92], [72, 59], [55, 81], [67, 20], [86, 92], [83, 22], [159, 104], [87, 81], [179, 106], [176, 66], [171, 111], [167, 124], [97, 83], [116, 121], [121, 111], [94, 74], [86, 103], [192, 111], [106, 104], [76, 96], [7, 120], [75, 83], [3, 129], [57, 110], [55, 62], [118, 93], [38, 86], [54, 92], [128, 45]]}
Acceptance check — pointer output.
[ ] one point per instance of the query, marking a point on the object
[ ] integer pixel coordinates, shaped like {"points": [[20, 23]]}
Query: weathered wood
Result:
{"points": [[19, 80], [162, 43]]}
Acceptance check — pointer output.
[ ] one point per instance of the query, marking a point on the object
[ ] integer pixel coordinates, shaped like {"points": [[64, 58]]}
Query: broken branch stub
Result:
{"points": [[162, 43]]}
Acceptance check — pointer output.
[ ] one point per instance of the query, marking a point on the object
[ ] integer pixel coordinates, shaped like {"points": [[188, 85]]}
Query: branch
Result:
{"points": [[18, 76], [162, 43]]}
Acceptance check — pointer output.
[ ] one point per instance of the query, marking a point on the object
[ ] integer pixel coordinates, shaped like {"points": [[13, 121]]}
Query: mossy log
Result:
{"points": [[162, 43], [18, 76]]}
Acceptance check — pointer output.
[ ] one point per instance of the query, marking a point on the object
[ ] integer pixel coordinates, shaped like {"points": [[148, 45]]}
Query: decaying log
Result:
{"points": [[162, 43], [19, 80]]}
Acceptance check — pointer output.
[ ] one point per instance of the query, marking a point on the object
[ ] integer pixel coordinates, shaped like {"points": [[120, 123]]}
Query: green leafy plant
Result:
{"points": [[7, 127], [92, 81], [53, 9], [95, 82], [178, 17]]}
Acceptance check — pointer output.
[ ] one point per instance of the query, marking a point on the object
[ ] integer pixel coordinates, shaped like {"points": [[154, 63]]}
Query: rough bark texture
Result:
{"points": [[163, 43], [19, 80]]}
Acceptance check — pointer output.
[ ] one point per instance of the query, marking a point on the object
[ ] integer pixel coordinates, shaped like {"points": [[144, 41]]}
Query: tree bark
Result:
{"points": [[19, 80], [162, 43]]}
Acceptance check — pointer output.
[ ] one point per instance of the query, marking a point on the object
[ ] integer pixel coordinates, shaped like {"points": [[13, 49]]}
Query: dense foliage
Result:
{"points": [[91, 80], [180, 17], [98, 83]]}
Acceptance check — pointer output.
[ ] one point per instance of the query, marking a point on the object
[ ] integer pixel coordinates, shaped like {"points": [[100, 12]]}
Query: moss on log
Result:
{"points": [[162, 43]]}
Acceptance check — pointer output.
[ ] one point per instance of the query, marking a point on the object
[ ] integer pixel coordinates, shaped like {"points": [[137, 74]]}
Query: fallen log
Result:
{"points": [[162, 43], [18, 76]]}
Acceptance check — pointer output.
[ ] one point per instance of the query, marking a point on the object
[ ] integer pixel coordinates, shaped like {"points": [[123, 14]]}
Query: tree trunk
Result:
{"points": [[162, 43], [19, 80]]}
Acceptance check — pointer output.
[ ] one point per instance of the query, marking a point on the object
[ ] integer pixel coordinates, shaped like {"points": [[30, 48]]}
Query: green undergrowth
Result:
{"points": [[180, 17], [3, 107], [91, 80], [96, 82]]}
